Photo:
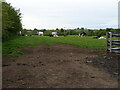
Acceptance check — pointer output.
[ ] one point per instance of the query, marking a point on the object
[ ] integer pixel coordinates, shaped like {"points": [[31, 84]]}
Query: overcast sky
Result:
{"points": [[51, 14]]}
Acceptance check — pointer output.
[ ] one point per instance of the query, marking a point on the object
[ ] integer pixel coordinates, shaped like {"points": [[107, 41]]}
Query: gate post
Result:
{"points": [[110, 41]]}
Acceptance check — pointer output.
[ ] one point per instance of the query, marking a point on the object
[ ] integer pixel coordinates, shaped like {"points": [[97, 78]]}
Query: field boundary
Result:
{"points": [[113, 42]]}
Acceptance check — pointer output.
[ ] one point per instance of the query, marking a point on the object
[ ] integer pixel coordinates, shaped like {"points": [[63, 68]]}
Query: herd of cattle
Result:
{"points": [[54, 34]]}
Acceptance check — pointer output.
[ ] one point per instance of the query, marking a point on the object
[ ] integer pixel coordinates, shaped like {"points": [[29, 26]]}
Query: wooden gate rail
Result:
{"points": [[113, 45]]}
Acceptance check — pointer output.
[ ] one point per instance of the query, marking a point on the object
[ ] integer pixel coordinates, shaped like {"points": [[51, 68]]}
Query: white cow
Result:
{"points": [[20, 32], [40, 33], [54, 34], [101, 38], [82, 34], [26, 35]]}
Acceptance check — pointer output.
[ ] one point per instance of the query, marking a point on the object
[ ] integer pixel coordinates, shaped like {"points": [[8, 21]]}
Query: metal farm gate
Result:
{"points": [[113, 42]]}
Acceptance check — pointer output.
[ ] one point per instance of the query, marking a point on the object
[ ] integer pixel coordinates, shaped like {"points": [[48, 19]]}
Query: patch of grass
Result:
{"points": [[81, 42], [15, 52], [10, 48]]}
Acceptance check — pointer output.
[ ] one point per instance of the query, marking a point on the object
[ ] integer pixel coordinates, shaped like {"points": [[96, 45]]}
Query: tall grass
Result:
{"points": [[10, 48]]}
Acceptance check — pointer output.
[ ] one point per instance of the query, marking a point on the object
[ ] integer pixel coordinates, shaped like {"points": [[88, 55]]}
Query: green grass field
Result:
{"points": [[10, 48]]}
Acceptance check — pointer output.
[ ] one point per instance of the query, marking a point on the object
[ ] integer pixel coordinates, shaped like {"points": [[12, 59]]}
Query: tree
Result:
{"points": [[108, 29], [11, 21], [82, 28], [78, 28], [57, 29], [35, 31], [62, 30]]}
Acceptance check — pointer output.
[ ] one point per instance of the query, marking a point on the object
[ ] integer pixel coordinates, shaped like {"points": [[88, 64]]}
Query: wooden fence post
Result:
{"points": [[110, 41], [106, 41]]}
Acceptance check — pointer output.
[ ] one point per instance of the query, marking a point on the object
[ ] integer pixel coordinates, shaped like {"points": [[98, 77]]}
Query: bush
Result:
{"points": [[11, 21]]}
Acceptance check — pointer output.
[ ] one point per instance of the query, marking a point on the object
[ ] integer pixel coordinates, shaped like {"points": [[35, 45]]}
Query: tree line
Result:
{"points": [[89, 32]]}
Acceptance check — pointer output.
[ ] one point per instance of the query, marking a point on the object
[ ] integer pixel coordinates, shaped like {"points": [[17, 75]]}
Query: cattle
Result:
{"points": [[101, 38], [62, 35], [50, 35], [82, 34], [20, 32], [40, 33], [54, 34], [24, 34], [97, 37]]}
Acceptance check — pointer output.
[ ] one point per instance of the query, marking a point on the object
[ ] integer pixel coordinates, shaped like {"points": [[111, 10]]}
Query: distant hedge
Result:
{"points": [[11, 21], [89, 32]]}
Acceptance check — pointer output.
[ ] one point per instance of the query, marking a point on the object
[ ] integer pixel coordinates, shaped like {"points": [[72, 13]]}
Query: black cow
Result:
{"points": [[50, 35], [82, 34], [97, 37]]}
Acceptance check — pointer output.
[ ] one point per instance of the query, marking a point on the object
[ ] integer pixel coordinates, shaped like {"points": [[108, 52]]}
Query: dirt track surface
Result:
{"points": [[59, 66]]}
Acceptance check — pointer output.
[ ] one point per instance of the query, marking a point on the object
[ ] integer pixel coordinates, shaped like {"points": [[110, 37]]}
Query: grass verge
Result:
{"points": [[10, 48]]}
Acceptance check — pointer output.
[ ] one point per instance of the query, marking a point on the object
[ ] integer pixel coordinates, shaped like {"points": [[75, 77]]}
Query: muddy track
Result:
{"points": [[58, 66]]}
